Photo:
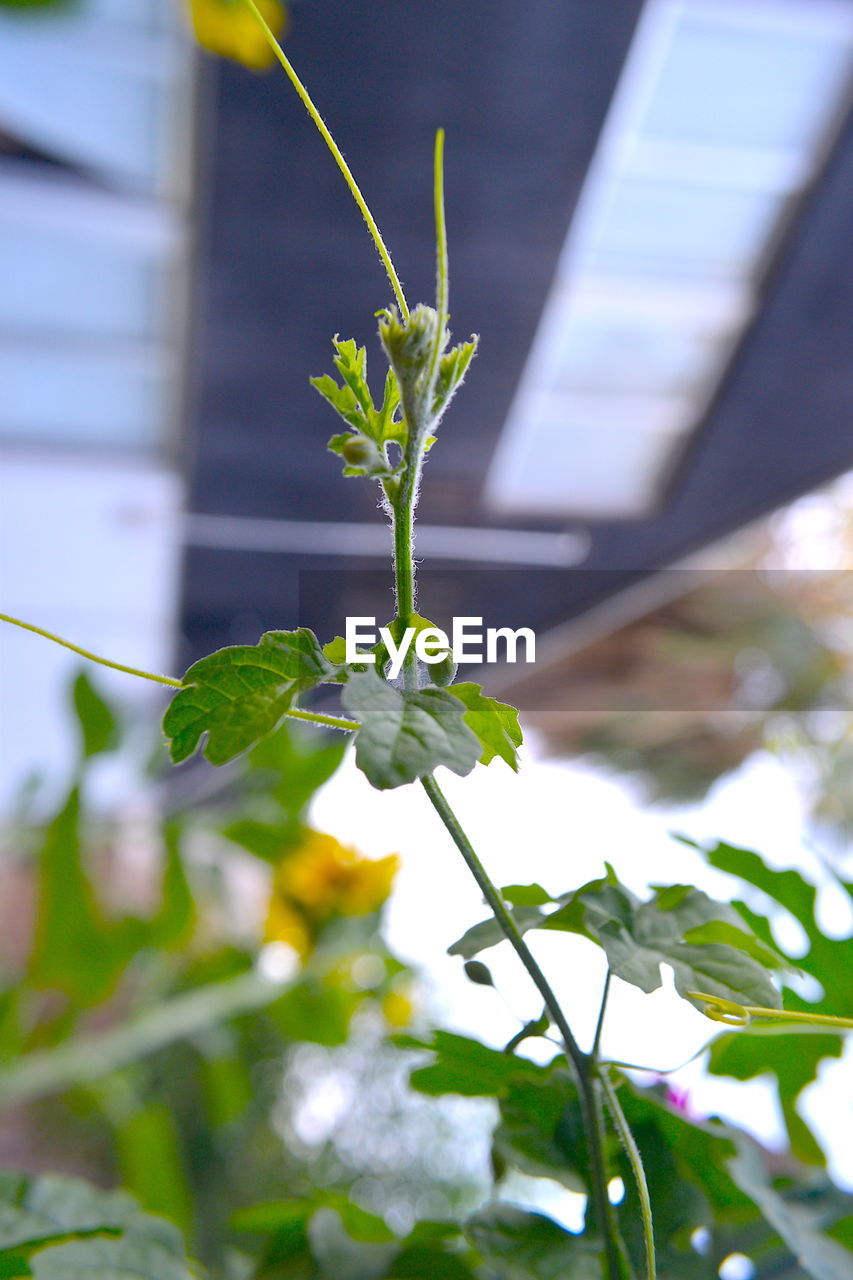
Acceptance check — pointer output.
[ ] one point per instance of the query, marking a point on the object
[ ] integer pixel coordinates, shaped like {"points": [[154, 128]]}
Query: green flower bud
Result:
{"points": [[358, 450]]}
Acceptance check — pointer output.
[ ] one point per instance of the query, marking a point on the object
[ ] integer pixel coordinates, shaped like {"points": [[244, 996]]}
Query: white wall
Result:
{"points": [[89, 549]]}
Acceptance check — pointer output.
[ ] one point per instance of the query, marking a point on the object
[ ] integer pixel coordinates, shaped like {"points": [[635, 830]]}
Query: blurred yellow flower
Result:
{"points": [[397, 1009], [229, 28], [320, 880], [286, 925]]}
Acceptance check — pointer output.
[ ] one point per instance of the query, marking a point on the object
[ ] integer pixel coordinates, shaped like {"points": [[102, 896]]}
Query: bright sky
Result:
{"points": [[556, 823]]}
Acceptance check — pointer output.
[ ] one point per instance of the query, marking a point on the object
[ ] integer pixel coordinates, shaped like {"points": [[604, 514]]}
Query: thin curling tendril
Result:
{"points": [[740, 1015]]}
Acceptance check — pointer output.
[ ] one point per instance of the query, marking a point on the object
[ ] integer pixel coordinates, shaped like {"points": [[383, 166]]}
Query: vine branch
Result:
{"points": [[636, 1162], [314, 717], [580, 1061], [92, 657], [599, 1026], [320, 123]]}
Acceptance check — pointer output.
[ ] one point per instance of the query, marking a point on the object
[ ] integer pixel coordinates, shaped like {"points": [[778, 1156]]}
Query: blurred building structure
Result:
{"points": [[649, 210], [96, 174]]}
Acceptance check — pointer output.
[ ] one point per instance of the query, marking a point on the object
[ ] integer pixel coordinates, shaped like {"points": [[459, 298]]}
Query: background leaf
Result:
{"points": [[99, 727], [65, 1229], [797, 1224], [541, 1128], [520, 1245], [467, 1067], [746, 1057], [74, 950]]}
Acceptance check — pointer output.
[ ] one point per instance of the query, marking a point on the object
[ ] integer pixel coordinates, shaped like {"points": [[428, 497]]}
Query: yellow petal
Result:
{"points": [[397, 1009], [324, 878], [229, 28], [283, 924]]}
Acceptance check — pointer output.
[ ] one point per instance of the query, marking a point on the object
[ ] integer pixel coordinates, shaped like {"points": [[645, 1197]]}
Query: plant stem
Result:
{"points": [[315, 717], [599, 1026], [355, 190], [92, 657], [441, 266], [331, 722], [590, 1107], [403, 511], [404, 570], [403, 516], [442, 275], [633, 1153]]}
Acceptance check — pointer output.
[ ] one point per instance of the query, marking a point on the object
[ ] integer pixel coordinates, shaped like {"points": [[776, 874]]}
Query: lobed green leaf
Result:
{"points": [[363, 447], [495, 723], [405, 735], [467, 1067], [526, 895], [341, 398], [707, 944], [451, 371], [488, 933], [638, 937], [238, 695]]}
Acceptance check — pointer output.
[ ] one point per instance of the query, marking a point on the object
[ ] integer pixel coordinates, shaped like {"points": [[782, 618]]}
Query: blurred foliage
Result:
{"points": [[739, 661], [133, 1008], [181, 993], [36, 4], [794, 1062], [54, 1228]]}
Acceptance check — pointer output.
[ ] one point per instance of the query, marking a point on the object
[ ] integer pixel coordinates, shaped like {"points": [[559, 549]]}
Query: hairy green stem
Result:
{"points": [[633, 1153], [589, 1102], [404, 574], [417, 410], [320, 124], [403, 511], [330, 722], [442, 274]]}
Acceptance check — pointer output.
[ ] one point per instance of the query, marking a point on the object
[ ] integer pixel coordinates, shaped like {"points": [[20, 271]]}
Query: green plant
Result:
{"points": [[577, 1120], [137, 1029]]}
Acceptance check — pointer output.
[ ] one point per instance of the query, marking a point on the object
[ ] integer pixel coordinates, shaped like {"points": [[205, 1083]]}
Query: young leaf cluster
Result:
{"points": [[427, 373], [364, 446], [421, 380]]}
